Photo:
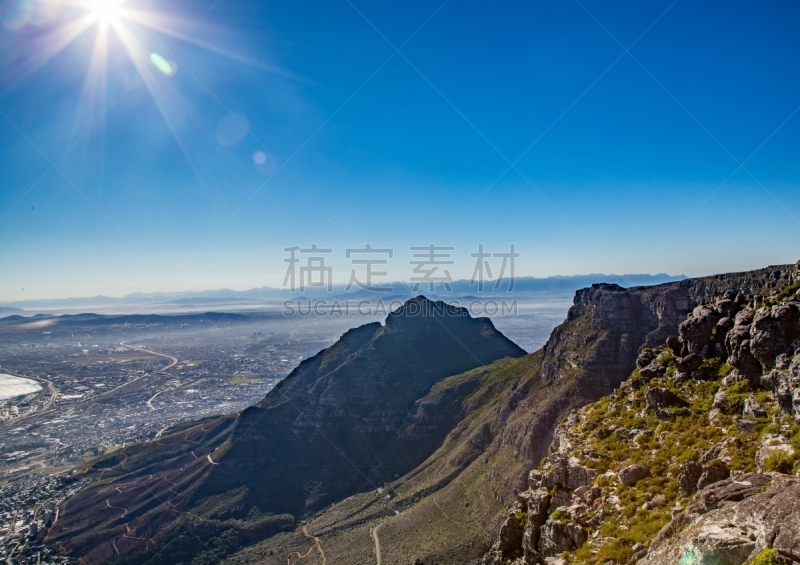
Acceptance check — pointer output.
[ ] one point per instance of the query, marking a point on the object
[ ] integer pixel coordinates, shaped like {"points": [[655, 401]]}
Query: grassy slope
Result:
{"points": [[447, 508]]}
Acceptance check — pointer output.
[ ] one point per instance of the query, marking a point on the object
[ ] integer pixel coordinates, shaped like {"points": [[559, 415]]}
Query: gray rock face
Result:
{"points": [[652, 370], [690, 363], [737, 342], [753, 408], [633, 474], [785, 385], [658, 398], [688, 476], [510, 539], [558, 537], [560, 471], [714, 472], [732, 521], [773, 330], [696, 331]]}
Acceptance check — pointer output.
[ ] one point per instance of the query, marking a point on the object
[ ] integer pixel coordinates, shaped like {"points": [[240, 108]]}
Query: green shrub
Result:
{"points": [[779, 462], [735, 397], [767, 556], [724, 370]]}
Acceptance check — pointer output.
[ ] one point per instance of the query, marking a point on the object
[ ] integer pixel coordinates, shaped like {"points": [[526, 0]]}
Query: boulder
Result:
{"points": [[675, 345], [773, 330], [555, 471], [726, 308], [753, 408], [690, 363], [633, 474], [732, 521], [688, 476], [653, 370], [558, 537], [713, 472], [587, 495], [560, 470], [657, 398], [580, 476], [785, 386], [744, 317], [720, 400], [560, 499], [697, 330], [537, 502], [509, 543], [645, 358], [737, 343]]}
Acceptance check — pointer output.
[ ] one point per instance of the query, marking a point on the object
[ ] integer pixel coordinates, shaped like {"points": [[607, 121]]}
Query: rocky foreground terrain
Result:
{"points": [[650, 412], [693, 459]]}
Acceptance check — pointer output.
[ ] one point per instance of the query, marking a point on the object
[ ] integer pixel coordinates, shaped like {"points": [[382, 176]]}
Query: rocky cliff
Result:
{"points": [[711, 408]]}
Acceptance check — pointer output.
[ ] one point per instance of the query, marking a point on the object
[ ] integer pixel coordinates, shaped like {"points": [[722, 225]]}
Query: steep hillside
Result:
{"points": [[484, 430], [688, 461], [450, 508], [344, 421]]}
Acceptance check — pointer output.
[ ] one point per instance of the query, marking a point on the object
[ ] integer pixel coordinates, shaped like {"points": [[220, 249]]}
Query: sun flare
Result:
{"points": [[106, 11]]}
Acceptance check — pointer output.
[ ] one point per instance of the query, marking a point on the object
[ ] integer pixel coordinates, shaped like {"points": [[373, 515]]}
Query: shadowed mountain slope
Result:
{"points": [[344, 421]]}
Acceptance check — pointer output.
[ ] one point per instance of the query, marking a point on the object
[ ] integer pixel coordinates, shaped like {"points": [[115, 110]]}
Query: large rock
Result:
{"points": [[773, 331], [633, 474], [688, 476], [697, 330], [785, 385], [690, 363], [562, 471], [737, 343], [732, 521], [753, 408], [726, 308], [714, 472], [658, 398], [558, 537], [510, 540]]}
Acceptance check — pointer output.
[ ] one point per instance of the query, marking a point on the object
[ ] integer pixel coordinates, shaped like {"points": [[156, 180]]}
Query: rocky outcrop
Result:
{"points": [[595, 349], [732, 521], [784, 381], [741, 340]]}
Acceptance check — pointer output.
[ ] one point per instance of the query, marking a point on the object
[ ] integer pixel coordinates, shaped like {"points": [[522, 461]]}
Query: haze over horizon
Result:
{"points": [[656, 137]]}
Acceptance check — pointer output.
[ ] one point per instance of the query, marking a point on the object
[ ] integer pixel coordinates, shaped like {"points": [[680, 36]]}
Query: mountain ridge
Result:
{"points": [[510, 412], [326, 431]]}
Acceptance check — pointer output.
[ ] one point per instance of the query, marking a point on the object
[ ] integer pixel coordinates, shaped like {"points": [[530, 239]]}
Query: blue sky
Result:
{"points": [[496, 123]]}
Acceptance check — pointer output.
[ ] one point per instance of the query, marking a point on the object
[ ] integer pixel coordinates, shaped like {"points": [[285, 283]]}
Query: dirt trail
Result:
{"points": [[317, 544]]}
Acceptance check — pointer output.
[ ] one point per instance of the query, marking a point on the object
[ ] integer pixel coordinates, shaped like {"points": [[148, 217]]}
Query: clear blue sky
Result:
{"points": [[622, 162]]}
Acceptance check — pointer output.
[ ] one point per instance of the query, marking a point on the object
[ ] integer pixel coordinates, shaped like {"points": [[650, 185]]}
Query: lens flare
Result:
{"points": [[162, 64], [14, 14]]}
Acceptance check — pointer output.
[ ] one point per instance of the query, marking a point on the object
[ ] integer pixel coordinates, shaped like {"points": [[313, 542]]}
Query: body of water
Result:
{"points": [[16, 386]]}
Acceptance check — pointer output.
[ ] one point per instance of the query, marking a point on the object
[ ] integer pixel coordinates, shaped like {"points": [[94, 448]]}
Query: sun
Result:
{"points": [[106, 11]]}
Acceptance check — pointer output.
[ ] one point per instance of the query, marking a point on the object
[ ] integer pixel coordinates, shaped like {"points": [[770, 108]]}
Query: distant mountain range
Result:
{"points": [[522, 286]]}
